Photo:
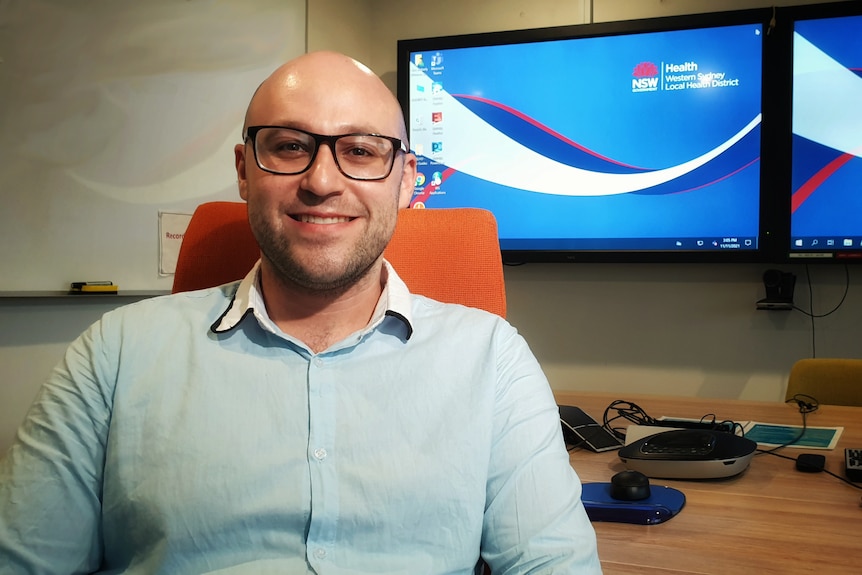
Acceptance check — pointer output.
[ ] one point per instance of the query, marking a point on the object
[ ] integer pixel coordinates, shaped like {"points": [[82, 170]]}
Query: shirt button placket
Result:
{"points": [[324, 490]]}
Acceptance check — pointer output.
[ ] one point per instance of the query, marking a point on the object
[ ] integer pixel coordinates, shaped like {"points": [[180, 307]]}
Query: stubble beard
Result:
{"points": [[323, 271]]}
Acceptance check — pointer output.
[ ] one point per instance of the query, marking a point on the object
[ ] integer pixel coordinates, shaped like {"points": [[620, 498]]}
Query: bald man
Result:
{"points": [[314, 417], [322, 234]]}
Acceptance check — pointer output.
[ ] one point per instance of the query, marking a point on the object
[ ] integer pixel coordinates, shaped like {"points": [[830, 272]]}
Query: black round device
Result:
{"points": [[630, 486]]}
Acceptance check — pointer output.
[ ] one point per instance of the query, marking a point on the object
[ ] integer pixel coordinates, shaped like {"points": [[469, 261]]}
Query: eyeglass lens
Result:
{"points": [[288, 151]]}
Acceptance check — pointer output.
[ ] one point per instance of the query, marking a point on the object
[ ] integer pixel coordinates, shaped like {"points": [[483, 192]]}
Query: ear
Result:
{"points": [[240, 161], [408, 181]]}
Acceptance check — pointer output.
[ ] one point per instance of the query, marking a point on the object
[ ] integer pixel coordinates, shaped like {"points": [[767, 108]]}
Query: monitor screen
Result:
{"points": [[629, 141], [826, 203]]}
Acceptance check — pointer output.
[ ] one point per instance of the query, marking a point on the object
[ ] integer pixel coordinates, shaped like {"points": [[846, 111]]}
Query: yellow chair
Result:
{"points": [[831, 381]]}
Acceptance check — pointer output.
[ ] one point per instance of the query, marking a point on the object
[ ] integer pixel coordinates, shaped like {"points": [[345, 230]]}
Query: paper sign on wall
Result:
{"points": [[172, 229]]}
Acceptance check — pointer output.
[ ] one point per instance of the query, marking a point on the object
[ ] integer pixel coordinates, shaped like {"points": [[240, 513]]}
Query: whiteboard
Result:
{"points": [[111, 112]]}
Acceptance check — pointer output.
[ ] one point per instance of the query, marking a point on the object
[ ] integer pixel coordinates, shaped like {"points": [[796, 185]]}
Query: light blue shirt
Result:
{"points": [[187, 434]]}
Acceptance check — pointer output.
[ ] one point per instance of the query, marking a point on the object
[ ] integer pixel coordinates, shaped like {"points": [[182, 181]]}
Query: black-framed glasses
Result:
{"points": [[288, 151]]}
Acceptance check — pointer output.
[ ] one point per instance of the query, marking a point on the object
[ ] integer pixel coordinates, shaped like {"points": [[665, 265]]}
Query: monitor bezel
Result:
{"points": [[787, 18], [770, 176]]}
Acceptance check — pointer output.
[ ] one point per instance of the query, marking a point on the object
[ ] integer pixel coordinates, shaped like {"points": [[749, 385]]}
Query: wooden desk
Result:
{"points": [[769, 519]]}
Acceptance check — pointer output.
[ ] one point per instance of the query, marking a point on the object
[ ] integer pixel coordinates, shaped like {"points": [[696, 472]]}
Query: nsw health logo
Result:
{"points": [[645, 77]]}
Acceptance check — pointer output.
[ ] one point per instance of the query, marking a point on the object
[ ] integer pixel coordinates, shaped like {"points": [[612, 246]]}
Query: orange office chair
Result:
{"points": [[832, 381], [451, 255]]}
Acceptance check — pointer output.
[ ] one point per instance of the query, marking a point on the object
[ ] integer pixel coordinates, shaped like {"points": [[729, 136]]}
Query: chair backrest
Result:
{"points": [[832, 381], [218, 247], [451, 255]]}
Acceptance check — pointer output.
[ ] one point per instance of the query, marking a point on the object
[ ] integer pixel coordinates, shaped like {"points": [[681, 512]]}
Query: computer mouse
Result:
{"points": [[630, 486]]}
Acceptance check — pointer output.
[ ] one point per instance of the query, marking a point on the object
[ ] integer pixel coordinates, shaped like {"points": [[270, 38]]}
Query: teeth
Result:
{"points": [[305, 218]]}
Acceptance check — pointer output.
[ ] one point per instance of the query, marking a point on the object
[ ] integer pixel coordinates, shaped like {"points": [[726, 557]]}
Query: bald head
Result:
{"points": [[327, 93], [321, 231]]}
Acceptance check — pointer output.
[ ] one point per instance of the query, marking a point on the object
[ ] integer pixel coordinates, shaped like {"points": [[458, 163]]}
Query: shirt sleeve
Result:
{"points": [[51, 477], [534, 519]]}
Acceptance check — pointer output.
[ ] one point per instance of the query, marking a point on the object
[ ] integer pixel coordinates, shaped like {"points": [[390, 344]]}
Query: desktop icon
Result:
{"points": [[436, 178], [420, 179], [436, 117], [436, 87], [418, 60], [436, 147], [436, 60]]}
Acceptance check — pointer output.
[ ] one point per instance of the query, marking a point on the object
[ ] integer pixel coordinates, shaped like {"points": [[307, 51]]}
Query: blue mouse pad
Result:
{"points": [[662, 504]]}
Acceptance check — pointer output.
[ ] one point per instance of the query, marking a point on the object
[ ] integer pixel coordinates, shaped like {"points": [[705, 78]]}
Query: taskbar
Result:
{"points": [[698, 244], [838, 247], [826, 244]]}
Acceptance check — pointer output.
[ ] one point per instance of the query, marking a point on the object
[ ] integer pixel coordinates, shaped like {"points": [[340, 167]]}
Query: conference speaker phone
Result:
{"points": [[689, 454]]}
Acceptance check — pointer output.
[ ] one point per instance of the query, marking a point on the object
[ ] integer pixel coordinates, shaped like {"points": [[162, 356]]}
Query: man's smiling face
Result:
{"points": [[320, 230]]}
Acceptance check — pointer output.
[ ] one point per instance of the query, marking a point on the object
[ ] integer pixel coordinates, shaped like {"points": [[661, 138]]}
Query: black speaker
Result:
{"points": [[779, 290]]}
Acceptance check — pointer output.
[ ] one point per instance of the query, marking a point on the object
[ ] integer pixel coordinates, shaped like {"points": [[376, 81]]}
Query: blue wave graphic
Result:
{"points": [[542, 140], [536, 137], [742, 155]]}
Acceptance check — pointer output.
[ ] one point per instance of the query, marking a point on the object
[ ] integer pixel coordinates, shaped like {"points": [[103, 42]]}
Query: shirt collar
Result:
{"points": [[247, 300]]}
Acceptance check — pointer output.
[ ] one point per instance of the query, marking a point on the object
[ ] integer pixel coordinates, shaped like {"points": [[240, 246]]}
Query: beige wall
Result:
{"points": [[369, 29], [387, 21], [678, 329]]}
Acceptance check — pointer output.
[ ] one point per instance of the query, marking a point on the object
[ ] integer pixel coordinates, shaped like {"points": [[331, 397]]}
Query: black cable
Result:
{"points": [[736, 428], [826, 471], [636, 415], [628, 411], [811, 315], [806, 404]]}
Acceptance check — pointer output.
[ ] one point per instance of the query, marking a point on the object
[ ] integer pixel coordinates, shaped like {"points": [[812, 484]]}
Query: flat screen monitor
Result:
{"points": [[624, 141], [826, 155]]}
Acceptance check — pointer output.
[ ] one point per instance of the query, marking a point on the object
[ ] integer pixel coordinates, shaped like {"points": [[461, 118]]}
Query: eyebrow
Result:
{"points": [[344, 129]]}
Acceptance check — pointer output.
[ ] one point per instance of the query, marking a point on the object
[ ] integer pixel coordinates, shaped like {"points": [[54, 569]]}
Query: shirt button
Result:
{"points": [[320, 454], [320, 553], [318, 362]]}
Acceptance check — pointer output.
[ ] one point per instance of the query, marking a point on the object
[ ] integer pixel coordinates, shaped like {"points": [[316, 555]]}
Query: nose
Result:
{"points": [[323, 178]]}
